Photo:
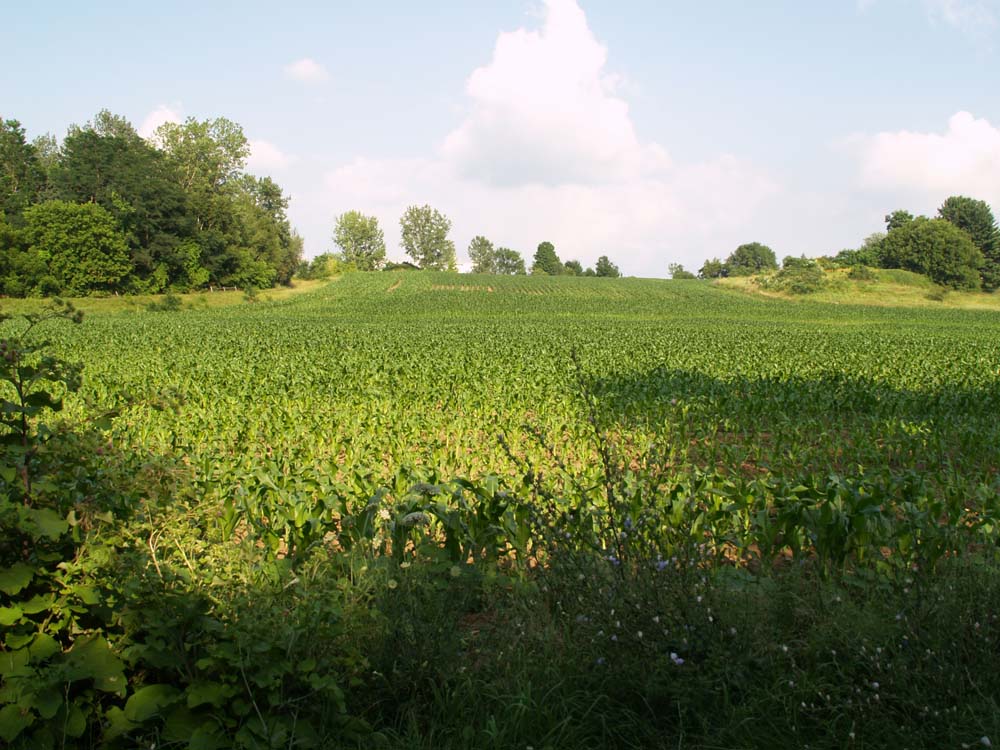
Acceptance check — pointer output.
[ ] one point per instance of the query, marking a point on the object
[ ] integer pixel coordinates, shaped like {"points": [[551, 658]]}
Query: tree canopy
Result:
{"points": [[360, 240], [509, 262], [546, 261], [751, 258], [425, 238], [189, 214], [936, 248], [604, 267], [483, 255], [976, 219]]}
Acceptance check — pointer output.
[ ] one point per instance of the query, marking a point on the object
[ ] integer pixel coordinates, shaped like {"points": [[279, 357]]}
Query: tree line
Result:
{"points": [[424, 237], [959, 248], [109, 211]]}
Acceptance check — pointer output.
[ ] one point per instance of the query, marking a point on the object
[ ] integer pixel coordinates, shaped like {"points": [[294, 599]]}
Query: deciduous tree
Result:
{"points": [[546, 261], [425, 238], [751, 258], [936, 248], [482, 255], [509, 262], [360, 240], [604, 267]]}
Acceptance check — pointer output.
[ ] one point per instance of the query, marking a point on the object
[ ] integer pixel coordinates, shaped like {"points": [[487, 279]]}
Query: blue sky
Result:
{"points": [[653, 132]]}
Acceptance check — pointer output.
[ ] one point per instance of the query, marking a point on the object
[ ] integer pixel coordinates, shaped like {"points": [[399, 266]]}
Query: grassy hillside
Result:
{"points": [[890, 288]]}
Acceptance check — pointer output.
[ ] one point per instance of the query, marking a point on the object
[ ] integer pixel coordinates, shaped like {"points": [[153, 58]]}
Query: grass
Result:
{"points": [[893, 288], [193, 300]]}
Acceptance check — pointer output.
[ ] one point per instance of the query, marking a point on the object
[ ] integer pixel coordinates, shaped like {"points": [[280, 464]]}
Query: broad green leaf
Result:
{"points": [[15, 578], [149, 701], [14, 720]]}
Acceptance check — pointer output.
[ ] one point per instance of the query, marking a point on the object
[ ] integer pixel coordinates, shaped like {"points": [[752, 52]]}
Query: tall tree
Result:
{"points": [[573, 268], [751, 258], [112, 166], [509, 262], [425, 238], [546, 261], [605, 268], [360, 240], [22, 178], [482, 255], [936, 248], [976, 219], [208, 156]]}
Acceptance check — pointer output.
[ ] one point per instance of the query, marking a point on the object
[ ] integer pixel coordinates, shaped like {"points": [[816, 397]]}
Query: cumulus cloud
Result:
{"points": [[266, 156], [965, 159], [545, 110], [157, 117], [306, 70], [547, 150]]}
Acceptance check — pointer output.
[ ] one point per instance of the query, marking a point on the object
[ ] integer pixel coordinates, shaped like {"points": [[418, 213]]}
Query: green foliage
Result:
{"points": [[869, 254], [80, 246], [862, 273], [335, 541], [605, 268], [22, 179], [797, 276], [749, 259], [546, 261], [188, 214], [897, 220], [573, 268], [677, 272], [713, 269], [360, 240], [425, 238], [976, 219], [936, 248], [483, 255], [509, 262]]}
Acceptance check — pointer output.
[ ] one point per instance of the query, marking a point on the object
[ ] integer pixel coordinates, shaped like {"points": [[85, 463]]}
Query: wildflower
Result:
{"points": [[600, 661], [455, 571], [404, 565], [639, 635], [392, 583], [676, 659], [661, 565]]}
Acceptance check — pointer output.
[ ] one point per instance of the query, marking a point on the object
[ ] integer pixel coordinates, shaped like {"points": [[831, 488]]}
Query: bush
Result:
{"points": [[862, 273], [797, 276]]}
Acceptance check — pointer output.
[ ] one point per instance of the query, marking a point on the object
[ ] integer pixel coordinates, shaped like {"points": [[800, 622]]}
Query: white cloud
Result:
{"points": [[964, 159], [546, 111], [306, 70], [266, 156], [157, 117], [547, 150]]}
